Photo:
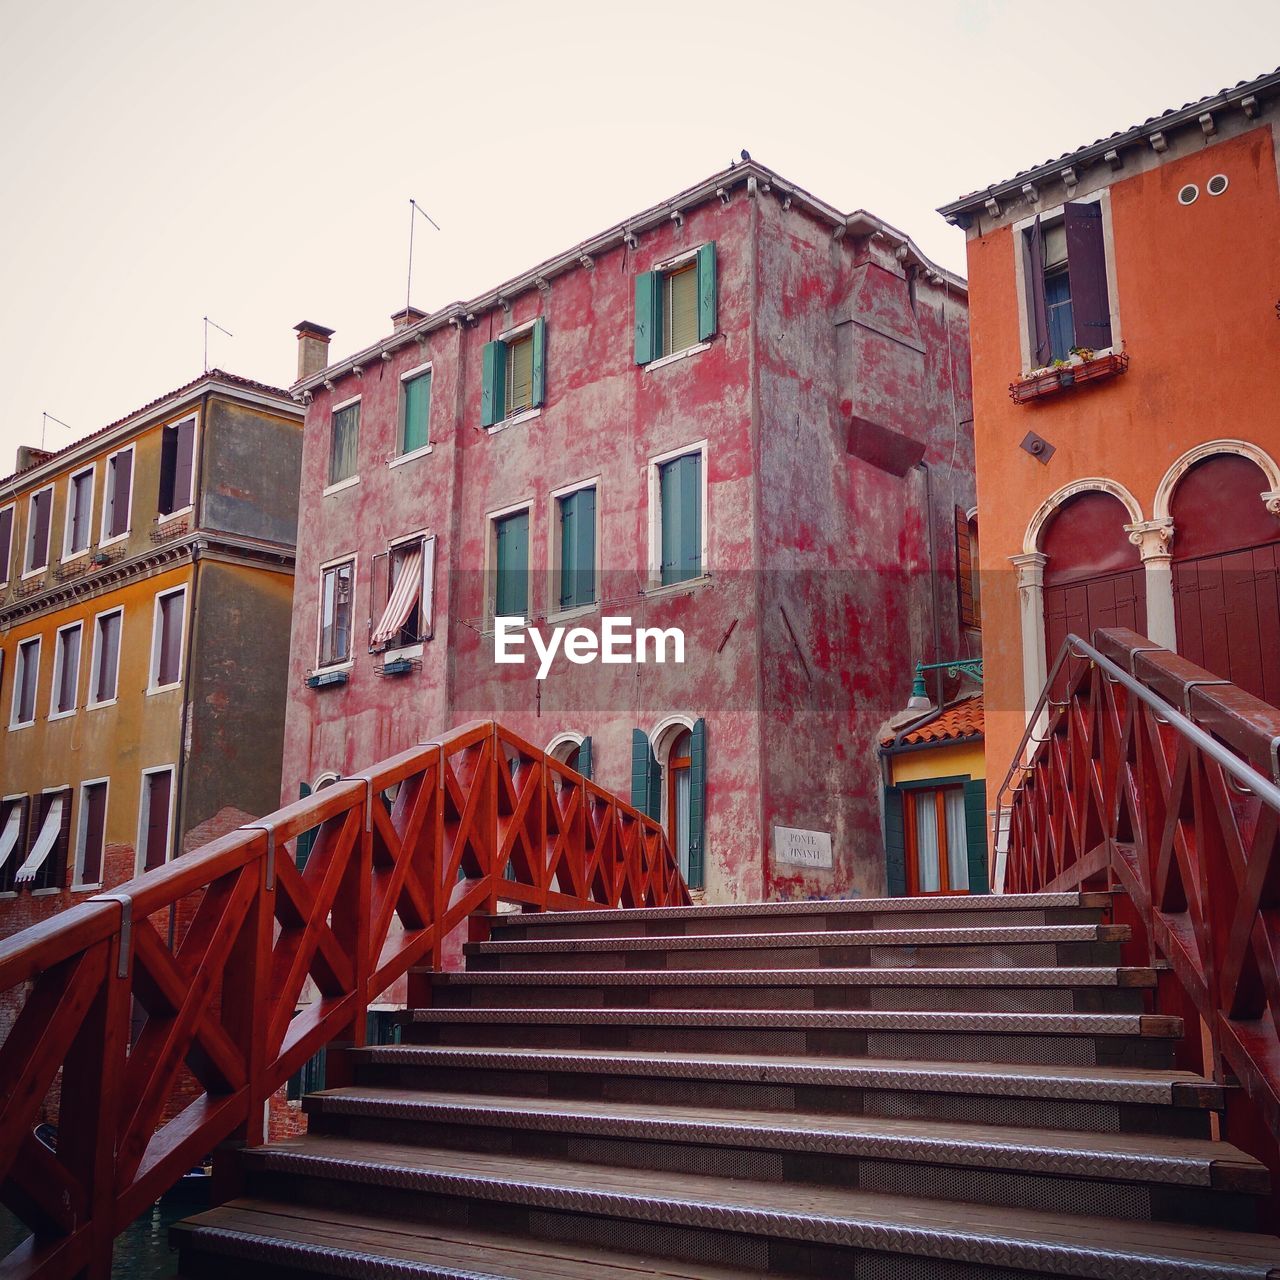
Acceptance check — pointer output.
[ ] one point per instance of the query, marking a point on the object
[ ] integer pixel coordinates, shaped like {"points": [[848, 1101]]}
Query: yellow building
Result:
{"points": [[146, 578]]}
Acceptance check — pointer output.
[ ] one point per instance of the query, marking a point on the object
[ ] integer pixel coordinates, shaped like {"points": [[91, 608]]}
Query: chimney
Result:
{"points": [[29, 456], [407, 316], [313, 348]]}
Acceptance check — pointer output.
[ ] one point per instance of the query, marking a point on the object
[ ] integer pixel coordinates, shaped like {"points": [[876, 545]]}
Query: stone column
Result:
{"points": [[1152, 538], [1030, 569]]}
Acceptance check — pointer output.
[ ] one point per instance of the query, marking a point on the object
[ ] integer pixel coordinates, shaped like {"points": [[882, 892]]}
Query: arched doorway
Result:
{"points": [[1093, 575], [1226, 573]]}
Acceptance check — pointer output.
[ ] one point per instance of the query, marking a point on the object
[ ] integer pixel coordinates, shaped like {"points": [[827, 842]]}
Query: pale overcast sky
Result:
{"points": [[164, 159]]}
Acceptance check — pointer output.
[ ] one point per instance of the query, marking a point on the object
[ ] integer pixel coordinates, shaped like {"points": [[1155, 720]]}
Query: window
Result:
{"points": [[104, 669], [669, 783], [46, 862], [166, 639], [177, 466], [1065, 276], [77, 534], [154, 812], [118, 495], [676, 305], [39, 510], [343, 442], [680, 517], [66, 671], [576, 550], [407, 616], [337, 589], [26, 673], [415, 410], [13, 822], [936, 841], [6, 543], [968, 584], [511, 563], [513, 371], [91, 833]]}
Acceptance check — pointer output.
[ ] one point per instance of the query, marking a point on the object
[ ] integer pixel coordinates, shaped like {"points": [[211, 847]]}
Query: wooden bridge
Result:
{"points": [[1079, 1078]]}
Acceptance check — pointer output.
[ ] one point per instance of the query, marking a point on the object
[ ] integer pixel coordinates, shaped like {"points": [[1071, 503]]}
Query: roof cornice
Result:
{"points": [[758, 178]]}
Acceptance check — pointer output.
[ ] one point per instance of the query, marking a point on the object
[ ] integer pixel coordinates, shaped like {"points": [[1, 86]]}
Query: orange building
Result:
{"points": [[1126, 367]]}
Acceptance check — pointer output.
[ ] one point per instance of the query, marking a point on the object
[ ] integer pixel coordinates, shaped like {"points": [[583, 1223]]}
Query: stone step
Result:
{"points": [[781, 1228], [946, 911], [1026, 946], [1111, 1100], [1139, 1177], [1040, 990]]}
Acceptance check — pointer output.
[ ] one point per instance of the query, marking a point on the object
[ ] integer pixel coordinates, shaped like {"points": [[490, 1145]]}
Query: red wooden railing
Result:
{"points": [[162, 1052], [1154, 777]]}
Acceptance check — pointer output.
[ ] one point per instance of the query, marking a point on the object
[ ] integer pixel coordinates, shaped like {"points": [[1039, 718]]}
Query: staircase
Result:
{"points": [[942, 1088]]}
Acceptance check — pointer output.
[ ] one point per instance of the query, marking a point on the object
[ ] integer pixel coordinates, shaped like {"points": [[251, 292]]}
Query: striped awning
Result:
{"points": [[9, 836], [45, 841], [404, 595]]}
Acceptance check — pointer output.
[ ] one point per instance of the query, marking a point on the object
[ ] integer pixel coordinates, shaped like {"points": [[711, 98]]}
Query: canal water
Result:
{"points": [[142, 1252]]}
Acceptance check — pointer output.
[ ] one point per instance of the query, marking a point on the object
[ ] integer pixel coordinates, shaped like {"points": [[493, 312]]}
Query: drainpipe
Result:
{"points": [[935, 608]]}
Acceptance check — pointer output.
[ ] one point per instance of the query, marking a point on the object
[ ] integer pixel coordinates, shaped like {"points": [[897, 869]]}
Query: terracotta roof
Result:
{"points": [[962, 719], [213, 375], [1189, 111]]}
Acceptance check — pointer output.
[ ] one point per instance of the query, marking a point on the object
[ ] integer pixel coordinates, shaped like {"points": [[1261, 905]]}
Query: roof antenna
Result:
{"points": [[220, 329], [414, 207], [45, 419]]}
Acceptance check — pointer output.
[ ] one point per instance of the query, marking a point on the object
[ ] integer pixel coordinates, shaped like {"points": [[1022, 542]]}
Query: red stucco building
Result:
{"points": [[740, 413]]}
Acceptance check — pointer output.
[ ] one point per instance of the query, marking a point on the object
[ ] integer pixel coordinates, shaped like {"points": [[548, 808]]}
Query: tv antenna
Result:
{"points": [[414, 207], [45, 419], [220, 329]]}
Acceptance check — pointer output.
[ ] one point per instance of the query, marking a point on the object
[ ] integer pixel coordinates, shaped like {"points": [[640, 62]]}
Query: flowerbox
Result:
{"points": [[1048, 382]]}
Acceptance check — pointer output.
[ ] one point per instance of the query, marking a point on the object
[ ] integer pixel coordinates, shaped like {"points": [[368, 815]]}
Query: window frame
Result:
{"points": [[19, 672], [1053, 215], [492, 519], [28, 571], [56, 683], [656, 462], [78, 883], [68, 523], [61, 845], [153, 670], [555, 548], [424, 370], [336, 486], [91, 702], [22, 798], [144, 816], [506, 338], [351, 558], [426, 628], [6, 569], [937, 788], [106, 539], [163, 517]]}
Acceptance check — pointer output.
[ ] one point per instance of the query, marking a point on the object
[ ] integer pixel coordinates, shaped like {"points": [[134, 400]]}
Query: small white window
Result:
{"points": [[6, 543], [39, 513], [26, 676], [166, 639], [91, 834], [337, 603], [117, 498], [78, 533], [104, 667], [65, 690], [155, 819]]}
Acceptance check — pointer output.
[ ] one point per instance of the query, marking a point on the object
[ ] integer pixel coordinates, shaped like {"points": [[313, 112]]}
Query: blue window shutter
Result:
{"points": [[539, 378], [512, 596], [642, 763], [669, 499], [584, 757], [697, 802], [584, 555], [975, 823], [648, 316], [568, 550], [895, 843], [707, 317], [691, 516], [304, 843], [493, 393]]}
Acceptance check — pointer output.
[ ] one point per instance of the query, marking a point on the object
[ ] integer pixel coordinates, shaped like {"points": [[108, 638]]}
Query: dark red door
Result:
{"points": [[157, 830]]}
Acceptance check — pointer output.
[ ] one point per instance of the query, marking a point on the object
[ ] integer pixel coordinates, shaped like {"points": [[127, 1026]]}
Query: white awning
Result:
{"points": [[403, 597], [9, 836], [45, 841]]}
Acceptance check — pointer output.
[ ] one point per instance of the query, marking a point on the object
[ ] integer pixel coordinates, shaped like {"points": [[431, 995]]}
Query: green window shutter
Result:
{"points": [[584, 757], [578, 548], [493, 394], [680, 492], [642, 762], [655, 788], [539, 361], [895, 843], [568, 549], [975, 822], [511, 599], [697, 802], [707, 316], [648, 316], [417, 410], [302, 846]]}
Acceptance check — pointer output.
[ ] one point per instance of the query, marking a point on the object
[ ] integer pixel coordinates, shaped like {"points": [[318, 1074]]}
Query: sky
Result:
{"points": [[166, 160]]}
